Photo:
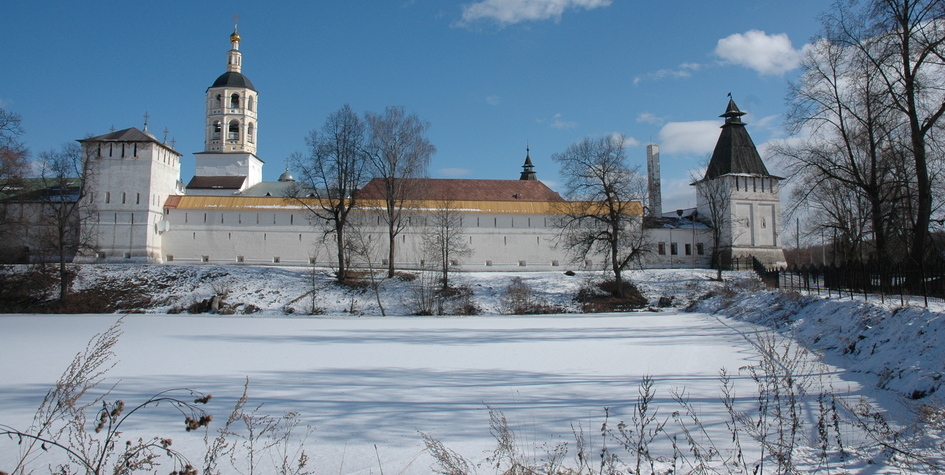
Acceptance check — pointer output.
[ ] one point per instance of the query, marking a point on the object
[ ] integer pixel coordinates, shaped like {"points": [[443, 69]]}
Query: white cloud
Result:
{"points": [[453, 172], [698, 137], [754, 49], [558, 122], [678, 193], [683, 71], [509, 12], [649, 118], [493, 100]]}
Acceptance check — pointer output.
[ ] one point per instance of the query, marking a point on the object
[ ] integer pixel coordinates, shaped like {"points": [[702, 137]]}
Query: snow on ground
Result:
{"points": [[902, 346], [368, 384], [281, 290]]}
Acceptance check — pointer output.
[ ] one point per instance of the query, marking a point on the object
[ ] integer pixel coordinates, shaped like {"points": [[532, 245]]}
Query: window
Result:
{"points": [[250, 102], [108, 197], [233, 131], [521, 263], [219, 101], [673, 249], [661, 248], [239, 258], [169, 258], [700, 248], [122, 197], [249, 133], [216, 130], [137, 198], [235, 101], [204, 258], [688, 249]]}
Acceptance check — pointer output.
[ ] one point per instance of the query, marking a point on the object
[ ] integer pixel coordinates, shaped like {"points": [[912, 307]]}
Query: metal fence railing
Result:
{"points": [[868, 281]]}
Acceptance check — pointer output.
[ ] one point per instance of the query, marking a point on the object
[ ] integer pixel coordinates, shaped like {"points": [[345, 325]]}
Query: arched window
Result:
{"points": [[250, 102], [235, 101], [249, 132], [219, 102], [216, 130], [234, 130]]}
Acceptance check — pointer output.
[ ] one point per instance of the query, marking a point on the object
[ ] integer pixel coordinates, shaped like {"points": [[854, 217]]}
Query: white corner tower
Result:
{"points": [[740, 197], [131, 176], [228, 163]]}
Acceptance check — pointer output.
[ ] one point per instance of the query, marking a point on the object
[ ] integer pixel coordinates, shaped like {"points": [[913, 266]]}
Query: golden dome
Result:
{"points": [[235, 36]]}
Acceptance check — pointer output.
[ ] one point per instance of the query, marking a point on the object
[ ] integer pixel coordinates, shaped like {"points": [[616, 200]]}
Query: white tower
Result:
{"points": [[132, 174], [740, 197], [231, 132]]}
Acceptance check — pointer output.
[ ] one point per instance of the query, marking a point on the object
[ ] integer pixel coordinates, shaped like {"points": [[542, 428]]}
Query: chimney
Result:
{"points": [[653, 180]]}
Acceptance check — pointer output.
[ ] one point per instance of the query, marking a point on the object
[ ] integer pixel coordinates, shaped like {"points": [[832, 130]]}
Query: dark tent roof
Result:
{"points": [[233, 79], [216, 183], [735, 153]]}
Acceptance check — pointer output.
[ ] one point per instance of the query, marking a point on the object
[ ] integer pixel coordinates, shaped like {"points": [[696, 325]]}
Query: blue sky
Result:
{"points": [[488, 75]]}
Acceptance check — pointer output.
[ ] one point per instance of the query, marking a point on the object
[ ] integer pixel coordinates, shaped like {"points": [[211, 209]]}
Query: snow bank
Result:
{"points": [[903, 346]]}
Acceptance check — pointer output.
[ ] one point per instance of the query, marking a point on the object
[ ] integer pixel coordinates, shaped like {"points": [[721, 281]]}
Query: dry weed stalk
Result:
{"points": [[60, 421]]}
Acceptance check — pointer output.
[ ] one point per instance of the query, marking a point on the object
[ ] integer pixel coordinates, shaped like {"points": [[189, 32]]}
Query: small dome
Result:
{"points": [[286, 176], [235, 36], [233, 79]]}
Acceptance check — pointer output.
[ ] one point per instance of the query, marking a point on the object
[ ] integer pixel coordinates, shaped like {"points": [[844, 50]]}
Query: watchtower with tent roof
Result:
{"points": [[737, 182]]}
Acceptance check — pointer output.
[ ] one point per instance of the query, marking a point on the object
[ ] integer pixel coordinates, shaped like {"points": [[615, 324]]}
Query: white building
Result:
{"points": [[227, 215]]}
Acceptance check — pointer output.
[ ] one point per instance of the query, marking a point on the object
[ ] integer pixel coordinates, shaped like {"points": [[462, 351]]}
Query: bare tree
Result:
{"points": [[364, 246], [66, 207], [13, 154], [332, 170], [604, 211], [716, 211], [398, 152], [446, 239], [904, 43], [14, 164], [850, 152]]}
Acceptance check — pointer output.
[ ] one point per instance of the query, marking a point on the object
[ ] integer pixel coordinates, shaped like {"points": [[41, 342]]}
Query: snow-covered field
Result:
{"points": [[368, 385]]}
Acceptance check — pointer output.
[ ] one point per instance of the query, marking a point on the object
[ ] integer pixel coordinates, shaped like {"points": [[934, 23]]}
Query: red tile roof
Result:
{"points": [[467, 190]]}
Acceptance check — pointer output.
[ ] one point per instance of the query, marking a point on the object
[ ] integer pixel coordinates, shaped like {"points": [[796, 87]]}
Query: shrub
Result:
{"points": [[519, 299]]}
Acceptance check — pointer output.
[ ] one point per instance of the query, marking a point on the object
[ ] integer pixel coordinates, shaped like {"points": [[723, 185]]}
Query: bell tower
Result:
{"points": [[231, 131]]}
